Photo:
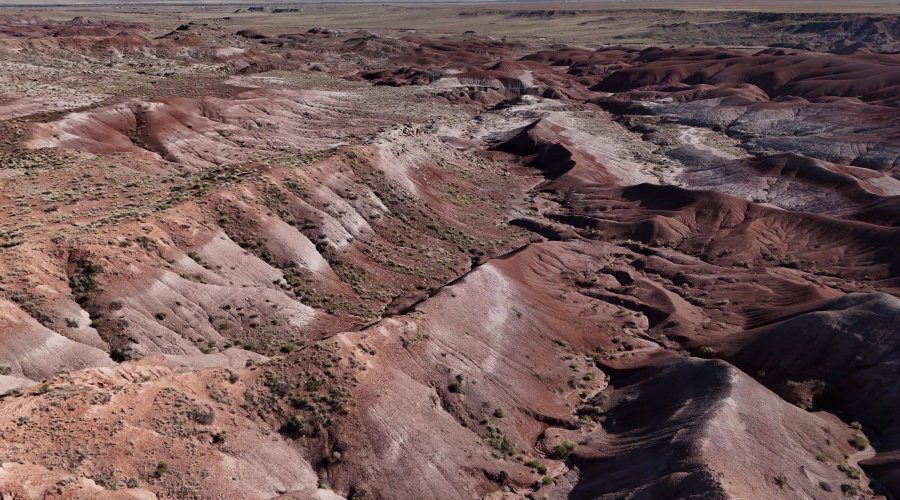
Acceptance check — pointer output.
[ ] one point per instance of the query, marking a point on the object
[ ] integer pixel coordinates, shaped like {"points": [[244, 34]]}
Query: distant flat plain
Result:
{"points": [[583, 23]]}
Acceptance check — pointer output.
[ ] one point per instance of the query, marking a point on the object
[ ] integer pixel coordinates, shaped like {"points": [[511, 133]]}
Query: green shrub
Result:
{"points": [[296, 427], [161, 469], [852, 472], [14, 391], [850, 489], [565, 449], [204, 415], [314, 384], [860, 442], [301, 403], [456, 386], [781, 480], [707, 352], [83, 282], [537, 465]]}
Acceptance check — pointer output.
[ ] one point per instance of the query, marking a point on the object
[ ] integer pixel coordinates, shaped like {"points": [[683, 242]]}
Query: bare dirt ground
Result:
{"points": [[474, 251]]}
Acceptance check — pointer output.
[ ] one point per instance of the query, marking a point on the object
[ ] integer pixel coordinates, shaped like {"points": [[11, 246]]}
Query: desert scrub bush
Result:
{"points": [[280, 385], [297, 427], [314, 383], [500, 442], [162, 315], [83, 282], [219, 437], [456, 386], [336, 399], [161, 469], [537, 465], [287, 348], [565, 449], [125, 353], [850, 489], [301, 403], [851, 471], [547, 480], [790, 263], [5, 370], [499, 413], [357, 494], [707, 352], [13, 391], [860, 442], [204, 415], [781, 480]]}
